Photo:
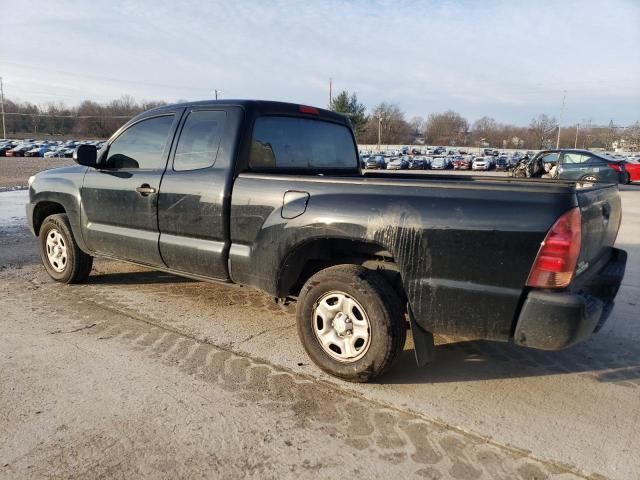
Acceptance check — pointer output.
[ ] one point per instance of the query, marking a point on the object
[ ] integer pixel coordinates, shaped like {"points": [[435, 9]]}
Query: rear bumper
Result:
{"points": [[556, 320]]}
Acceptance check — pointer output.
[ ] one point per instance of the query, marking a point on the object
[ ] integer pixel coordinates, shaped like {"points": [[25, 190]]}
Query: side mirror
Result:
{"points": [[86, 155]]}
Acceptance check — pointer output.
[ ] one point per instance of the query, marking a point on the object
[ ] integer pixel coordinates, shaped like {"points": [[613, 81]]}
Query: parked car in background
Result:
{"points": [[34, 152], [633, 169], [461, 163], [401, 163], [68, 152], [376, 162], [37, 151], [440, 163], [503, 164], [574, 164], [19, 150], [57, 152], [480, 163], [5, 148], [419, 163], [589, 166]]}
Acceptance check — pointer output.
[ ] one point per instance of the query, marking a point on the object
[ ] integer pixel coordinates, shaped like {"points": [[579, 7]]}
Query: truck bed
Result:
{"points": [[453, 237]]}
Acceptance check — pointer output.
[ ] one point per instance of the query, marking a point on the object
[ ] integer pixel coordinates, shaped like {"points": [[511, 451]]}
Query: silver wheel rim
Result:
{"points": [[56, 250], [341, 327]]}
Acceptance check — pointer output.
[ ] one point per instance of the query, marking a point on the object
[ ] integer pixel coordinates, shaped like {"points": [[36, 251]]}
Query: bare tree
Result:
{"points": [[448, 128], [542, 131], [417, 124], [389, 119]]}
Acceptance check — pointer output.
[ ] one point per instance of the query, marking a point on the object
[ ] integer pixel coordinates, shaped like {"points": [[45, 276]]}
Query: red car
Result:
{"points": [[461, 164], [633, 169]]}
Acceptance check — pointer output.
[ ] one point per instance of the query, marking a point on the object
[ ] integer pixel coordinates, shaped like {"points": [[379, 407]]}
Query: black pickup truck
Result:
{"points": [[271, 195]]}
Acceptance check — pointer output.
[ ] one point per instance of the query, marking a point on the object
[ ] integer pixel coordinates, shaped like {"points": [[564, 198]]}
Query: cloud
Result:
{"points": [[510, 60]]}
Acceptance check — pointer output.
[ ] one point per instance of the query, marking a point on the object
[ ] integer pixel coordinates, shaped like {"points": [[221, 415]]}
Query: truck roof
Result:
{"points": [[257, 107]]}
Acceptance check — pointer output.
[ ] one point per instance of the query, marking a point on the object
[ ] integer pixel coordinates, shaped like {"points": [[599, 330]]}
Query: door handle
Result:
{"points": [[145, 189]]}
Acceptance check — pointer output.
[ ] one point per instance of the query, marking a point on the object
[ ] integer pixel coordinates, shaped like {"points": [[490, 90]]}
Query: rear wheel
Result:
{"points": [[350, 322], [61, 257]]}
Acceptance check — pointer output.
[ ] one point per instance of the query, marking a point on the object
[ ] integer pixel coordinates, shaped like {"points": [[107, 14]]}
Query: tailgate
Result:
{"points": [[601, 213]]}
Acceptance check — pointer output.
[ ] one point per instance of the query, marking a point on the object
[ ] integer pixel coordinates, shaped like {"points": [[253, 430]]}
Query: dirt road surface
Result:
{"points": [[14, 172], [143, 374]]}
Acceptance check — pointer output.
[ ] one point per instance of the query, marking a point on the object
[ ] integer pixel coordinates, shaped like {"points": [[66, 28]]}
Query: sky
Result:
{"points": [[511, 60]]}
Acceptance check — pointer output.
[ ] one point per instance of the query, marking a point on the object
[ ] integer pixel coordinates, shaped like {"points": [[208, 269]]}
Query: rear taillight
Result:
{"points": [[558, 254], [615, 166]]}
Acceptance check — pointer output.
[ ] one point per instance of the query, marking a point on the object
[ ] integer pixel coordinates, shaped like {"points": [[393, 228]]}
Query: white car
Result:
{"points": [[56, 153], [480, 163]]}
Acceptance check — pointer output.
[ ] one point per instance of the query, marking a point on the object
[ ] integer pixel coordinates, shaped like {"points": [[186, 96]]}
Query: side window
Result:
{"points": [[550, 158], [199, 140], [141, 145], [300, 143], [575, 158]]}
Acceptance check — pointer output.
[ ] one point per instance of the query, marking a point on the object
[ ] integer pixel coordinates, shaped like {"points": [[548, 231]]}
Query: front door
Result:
{"points": [[120, 199]]}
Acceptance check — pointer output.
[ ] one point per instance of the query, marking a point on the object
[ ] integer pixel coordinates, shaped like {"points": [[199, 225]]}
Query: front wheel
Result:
{"points": [[61, 257], [350, 322]]}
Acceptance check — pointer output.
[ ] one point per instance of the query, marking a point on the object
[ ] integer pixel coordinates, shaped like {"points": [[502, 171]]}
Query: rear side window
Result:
{"points": [[575, 158], [300, 143], [141, 145], [199, 140]]}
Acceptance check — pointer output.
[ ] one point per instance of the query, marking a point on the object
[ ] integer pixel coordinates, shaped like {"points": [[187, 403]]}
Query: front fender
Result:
{"points": [[62, 187]]}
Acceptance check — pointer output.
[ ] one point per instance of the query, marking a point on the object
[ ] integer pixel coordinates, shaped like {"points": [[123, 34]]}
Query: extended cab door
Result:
{"points": [[120, 198], [194, 200]]}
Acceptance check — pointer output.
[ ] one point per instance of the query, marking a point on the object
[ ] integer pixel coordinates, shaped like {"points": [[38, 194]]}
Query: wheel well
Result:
{"points": [[42, 211], [311, 257]]}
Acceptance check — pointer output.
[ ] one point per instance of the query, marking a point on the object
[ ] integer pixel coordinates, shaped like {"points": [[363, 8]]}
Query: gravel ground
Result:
{"points": [[143, 374], [14, 172]]}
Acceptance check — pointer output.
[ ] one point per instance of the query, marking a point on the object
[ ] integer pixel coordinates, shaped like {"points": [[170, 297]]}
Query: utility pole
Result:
{"points": [[575, 145], [330, 92], [4, 127], [379, 131], [564, 97], [217, 92]]}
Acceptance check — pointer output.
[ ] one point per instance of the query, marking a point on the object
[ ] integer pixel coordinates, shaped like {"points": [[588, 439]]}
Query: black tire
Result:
{"points": [[382, 306], [76, 266]]}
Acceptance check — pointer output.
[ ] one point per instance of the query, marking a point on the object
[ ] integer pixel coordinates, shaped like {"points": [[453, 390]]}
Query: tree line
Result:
{"points": [[86, 120], [386, 124]]}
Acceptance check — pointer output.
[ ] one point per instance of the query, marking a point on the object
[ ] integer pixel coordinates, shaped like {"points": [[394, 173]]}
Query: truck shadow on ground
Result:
{"points": [[604, 358]]}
